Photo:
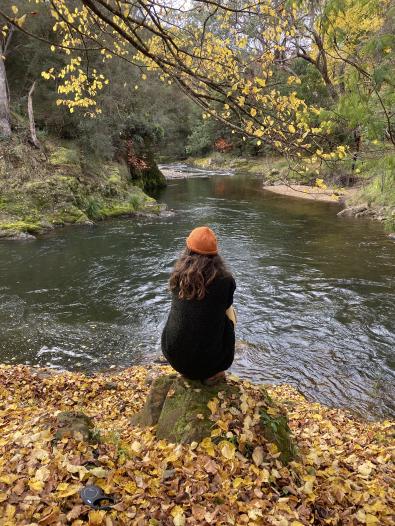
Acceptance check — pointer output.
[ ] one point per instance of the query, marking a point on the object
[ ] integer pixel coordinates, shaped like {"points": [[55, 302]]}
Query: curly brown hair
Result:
{"points": [[194, 272]]}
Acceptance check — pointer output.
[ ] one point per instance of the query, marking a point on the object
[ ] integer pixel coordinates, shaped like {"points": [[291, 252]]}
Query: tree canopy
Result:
{"points": [[305, 78]]}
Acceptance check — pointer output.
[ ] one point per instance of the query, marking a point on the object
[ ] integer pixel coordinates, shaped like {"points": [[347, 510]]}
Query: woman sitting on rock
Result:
{"points": [[199, 337]]}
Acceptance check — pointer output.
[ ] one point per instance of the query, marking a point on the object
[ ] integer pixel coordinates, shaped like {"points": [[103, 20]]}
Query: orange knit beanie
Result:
{"points": [[202, 240]]}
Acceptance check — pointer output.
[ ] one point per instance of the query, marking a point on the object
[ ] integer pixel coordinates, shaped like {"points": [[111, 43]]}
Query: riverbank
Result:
{"points": [[301, 191], [57, 185], [344, 473], [364, 200]]}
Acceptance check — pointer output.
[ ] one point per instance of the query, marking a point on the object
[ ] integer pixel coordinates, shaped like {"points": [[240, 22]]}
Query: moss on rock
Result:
{"points": [[38, 193], [276, 430], [152, 409], [186, 411], [185, 416], [68, 215], [75, 425], [149, 178], [20, 226], [343, 476]]}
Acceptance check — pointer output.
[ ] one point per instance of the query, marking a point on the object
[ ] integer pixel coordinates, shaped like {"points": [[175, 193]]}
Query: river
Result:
{"points": [[315, 293]]}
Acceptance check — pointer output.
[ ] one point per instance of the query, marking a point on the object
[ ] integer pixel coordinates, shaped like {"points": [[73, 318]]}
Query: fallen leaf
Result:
{"points": [[96, 517], [257, 455], [227, 449]]}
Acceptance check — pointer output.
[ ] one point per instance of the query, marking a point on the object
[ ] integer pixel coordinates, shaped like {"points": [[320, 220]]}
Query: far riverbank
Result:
{"points": [[355, 201]]}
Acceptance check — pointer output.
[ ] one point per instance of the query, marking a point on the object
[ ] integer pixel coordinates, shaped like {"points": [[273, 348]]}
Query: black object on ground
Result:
{"points": [[93, 496]]}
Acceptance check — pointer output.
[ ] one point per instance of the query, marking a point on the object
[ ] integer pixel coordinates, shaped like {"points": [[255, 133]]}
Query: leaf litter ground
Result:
{"points": [[344, 474]]}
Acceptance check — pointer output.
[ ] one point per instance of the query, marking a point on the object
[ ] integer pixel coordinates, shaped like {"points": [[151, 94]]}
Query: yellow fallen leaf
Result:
{"points": [[130, 487], [208, 446], [365, 469], [96, 517], [36, 485], [308, 487], [237, 482], [40, 454], [98, 472], [179, 520], [273, 449], [81, 470], [8, 478], [42, 474], [254, 514], [136, 446], [213, 405], [10, 511], [65, 490], [371, 519], [377, 506], [178, 516], [216, 432], [227, 449], [360, 515], [50, 517]]}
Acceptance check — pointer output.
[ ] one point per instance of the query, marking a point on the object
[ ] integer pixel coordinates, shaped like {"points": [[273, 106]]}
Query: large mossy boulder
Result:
{"points": [[146, 172], [186, 411]]}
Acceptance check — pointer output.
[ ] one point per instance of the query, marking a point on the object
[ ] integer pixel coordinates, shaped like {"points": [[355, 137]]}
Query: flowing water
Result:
{"points": [[315, 293]]}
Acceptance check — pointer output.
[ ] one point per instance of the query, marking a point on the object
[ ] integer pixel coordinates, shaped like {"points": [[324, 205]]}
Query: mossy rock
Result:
{"points": [[75, 425], [149, 178], [151, 411], [116, 209], [179, 410], [185, 416], [14, 227], [68, 215], [153, 178], [39, 193]]}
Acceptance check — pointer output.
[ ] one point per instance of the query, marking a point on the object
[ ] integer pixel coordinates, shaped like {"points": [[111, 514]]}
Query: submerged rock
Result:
{"points": [[186, 411]]}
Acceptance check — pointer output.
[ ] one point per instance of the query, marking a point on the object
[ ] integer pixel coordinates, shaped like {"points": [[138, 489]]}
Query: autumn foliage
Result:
{"points": [[242, 64], [344, 474], [133, 159], [223, 145]]}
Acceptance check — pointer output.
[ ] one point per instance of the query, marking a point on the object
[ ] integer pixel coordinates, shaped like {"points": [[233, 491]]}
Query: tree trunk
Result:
{"points": [[33, 136], [5, 118], [357, 139]]}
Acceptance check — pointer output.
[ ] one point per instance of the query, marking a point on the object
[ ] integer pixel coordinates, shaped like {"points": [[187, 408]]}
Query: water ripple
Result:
{"points": [[315, 295]]}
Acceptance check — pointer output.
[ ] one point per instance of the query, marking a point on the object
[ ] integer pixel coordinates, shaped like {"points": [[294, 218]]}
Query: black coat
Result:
{"points": [[199, 339]]}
